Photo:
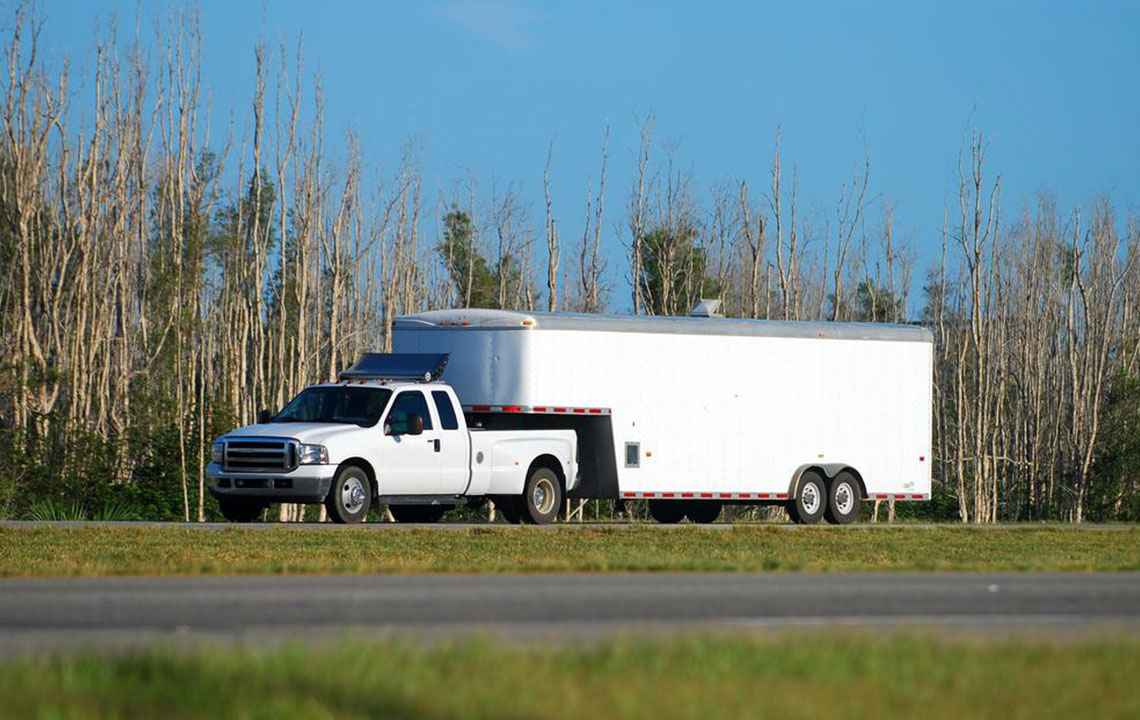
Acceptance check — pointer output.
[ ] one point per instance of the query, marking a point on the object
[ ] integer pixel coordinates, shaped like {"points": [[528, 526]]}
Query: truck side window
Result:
{"points": [[446, 410], [407, 403]]}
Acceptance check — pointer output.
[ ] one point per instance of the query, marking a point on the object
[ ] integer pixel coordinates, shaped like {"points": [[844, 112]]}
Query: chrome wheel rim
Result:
{"points": [[844, 498], [543, 496], [809, 498], [352, 495]]}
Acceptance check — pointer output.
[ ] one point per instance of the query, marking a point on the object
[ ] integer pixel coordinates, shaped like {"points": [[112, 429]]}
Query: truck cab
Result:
{"points": [[388, 431]]}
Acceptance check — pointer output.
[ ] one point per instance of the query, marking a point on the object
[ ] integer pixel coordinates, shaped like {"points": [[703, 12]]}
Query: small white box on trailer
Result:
{"points": [[699, 408]]}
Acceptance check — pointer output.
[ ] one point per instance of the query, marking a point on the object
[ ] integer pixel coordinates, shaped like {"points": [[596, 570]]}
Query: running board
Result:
{"points": [[423, 499]]}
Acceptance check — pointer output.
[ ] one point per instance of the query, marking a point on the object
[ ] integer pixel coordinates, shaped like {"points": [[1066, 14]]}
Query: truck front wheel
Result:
{"points": [[542, 496], [349, 497], [241, 511], [807, 507]]}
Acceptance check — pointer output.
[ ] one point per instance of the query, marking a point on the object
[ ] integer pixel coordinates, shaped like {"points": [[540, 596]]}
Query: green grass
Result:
{"points": [[855, 675], [173, 550]]}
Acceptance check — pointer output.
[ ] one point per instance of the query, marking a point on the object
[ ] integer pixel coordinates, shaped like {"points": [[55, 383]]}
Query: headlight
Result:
{"points": [[313, 455], [217, 451]]}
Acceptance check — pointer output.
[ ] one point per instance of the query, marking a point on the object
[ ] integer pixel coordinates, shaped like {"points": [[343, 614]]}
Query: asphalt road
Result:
{"points": [[39, 615], [448, 526]]}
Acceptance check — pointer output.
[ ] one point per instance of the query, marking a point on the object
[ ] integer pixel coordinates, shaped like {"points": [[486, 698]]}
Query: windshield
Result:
{"points": [[350, 405]]}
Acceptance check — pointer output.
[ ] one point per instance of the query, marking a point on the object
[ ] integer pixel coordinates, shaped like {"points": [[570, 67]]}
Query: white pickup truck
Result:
{"points": [[389, 432]]}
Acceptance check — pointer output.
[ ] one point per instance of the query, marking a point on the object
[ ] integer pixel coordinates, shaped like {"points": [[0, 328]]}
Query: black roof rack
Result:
{"points": [[421, 367]]}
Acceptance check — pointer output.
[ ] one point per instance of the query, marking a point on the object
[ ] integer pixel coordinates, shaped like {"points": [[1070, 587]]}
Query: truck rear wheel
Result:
{"points": [[241, 511], [807, 507], [703, 511], [417, 513], [668, 512], [542, 496], [843, 497], [508, 507], [349, 497]]}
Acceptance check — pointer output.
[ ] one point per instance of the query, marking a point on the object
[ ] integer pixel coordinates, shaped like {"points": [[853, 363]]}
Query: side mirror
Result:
{"points": [[415, 424], [263, 416]]}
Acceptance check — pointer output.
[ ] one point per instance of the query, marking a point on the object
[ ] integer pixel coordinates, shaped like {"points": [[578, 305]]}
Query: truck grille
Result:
{"points": [[260, 455]]}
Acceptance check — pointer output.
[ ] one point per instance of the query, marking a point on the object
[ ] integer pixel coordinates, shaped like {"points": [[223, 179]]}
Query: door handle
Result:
{"points": [[434, 442]]}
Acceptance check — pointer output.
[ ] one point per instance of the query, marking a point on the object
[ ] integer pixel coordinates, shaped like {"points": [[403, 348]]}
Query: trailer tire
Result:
{"points": [[542, 496], [667, 512], [241, 511], [417, 513], [350, 496], [810, 502], [702, 512], [843, 496]]}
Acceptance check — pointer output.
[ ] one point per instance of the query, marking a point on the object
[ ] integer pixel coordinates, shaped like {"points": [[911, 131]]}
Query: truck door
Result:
{"points": [[409, 464], [454, 446]]}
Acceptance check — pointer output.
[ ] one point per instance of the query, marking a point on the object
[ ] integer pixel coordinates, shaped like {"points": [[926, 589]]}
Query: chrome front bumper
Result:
{"points": [[305, 484]]}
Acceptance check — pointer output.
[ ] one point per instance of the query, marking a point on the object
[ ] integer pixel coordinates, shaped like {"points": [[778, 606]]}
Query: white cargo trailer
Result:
{"points": [[692, 413]]}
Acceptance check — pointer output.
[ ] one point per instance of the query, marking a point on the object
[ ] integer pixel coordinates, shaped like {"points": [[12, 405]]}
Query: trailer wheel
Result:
{"points": [[668, 512], [843, 497], [703, 511], [417, 513], [807, 507], [241, 511], [349, 497], [542, 496]]}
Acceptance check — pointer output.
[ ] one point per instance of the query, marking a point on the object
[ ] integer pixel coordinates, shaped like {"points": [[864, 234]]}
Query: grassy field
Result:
{"points": [[174, 550], [897, 676]]}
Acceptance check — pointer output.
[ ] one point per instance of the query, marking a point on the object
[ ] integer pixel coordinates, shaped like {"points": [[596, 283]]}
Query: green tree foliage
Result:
{"points": [[1115, 481], [474, 282], [675, 270]]}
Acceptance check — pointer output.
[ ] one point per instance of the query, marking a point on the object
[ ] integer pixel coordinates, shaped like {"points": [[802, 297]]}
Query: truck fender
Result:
{"points": [[367, 468]]}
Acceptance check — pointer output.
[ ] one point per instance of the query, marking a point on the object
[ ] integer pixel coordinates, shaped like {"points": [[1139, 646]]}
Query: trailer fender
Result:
{"points": [[829, 471]]}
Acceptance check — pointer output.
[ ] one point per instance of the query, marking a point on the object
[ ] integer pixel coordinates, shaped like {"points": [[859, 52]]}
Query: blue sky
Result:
{"points": [[485, 85]]}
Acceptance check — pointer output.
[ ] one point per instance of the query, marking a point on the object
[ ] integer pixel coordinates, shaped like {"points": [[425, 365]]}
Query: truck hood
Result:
{"points": [[312, 433]]}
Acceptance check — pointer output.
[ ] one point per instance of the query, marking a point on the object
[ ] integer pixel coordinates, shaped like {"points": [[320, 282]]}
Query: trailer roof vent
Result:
{"points": [[707, 308]]}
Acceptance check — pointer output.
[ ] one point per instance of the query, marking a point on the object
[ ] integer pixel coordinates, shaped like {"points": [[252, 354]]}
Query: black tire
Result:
{"points": [[350, 496], [542, 496], [810, 502], [668, 512], [702, 511], [417, 513], [241, 511], [508, 507], [843, 496]]}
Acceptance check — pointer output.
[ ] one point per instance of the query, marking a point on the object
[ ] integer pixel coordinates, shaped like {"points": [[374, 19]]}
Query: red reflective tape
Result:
{"points": [[539, 409], [917, 497], [481, 408], [511, 408], [706, 495], [882, 497], [782, 496], [579, 410], [685, 495], [724, 495], [559, 409], [596, 411], [629, 494], [667, 495]]}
